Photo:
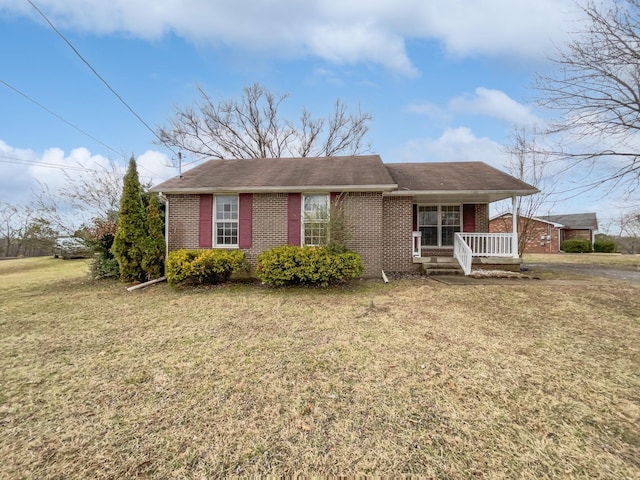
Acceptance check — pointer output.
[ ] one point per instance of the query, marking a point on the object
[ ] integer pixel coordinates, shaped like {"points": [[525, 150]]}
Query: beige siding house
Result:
{"points": [[399, 216]]}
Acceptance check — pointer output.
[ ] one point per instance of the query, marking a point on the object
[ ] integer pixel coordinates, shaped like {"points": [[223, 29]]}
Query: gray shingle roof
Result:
{"points": [[454, 176], [366, 173], [283, 173], [574, 220]]}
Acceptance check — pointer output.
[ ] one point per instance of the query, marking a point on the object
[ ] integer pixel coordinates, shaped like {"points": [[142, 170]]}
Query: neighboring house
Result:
{"points": [[545, 234], [397, 215]]}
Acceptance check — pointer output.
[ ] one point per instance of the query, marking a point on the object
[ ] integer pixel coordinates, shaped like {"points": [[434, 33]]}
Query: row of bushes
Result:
{"points": [[280, 266], [197, 267], [584, 246], [290, 265]]}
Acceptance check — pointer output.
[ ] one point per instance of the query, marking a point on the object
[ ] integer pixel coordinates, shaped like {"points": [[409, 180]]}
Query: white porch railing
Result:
{"points": [[490, 244], [467, 245], [417, 244], [463, 253]]}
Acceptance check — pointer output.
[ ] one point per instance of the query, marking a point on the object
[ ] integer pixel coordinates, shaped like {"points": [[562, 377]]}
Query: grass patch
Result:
{"points": [[410, 378], [610, 259]]}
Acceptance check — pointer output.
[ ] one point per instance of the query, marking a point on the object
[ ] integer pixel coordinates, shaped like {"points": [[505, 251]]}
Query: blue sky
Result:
{"points": [[444, 81]]}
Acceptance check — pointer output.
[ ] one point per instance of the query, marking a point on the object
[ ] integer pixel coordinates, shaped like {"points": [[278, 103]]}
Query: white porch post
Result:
{"points": [[514, 227]]}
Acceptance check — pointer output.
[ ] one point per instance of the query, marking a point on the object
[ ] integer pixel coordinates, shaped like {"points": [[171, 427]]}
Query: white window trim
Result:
{"points": [[302, 215], [439, 226], [215, 224]]}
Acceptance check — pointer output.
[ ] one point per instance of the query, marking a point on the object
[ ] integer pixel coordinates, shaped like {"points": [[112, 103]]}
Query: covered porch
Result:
{"points": [[452, 242]]}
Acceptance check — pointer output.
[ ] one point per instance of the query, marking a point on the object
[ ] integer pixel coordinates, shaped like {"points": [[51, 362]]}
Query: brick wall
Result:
{"points": [[363, 222], [183, 216], [531, 232], [379, 228], [269, 213], [482, 217], [582, 234], [397, 215]]}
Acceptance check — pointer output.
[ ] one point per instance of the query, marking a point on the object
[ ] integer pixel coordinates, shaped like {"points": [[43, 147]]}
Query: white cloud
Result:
{"points": [[16, 180], [28, 171], [496, 104], [155, 167], [370, 31], [454, 145]]}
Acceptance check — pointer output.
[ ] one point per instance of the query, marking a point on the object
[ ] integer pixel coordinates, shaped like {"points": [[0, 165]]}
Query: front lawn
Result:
{"points": [[414, 378], [607, 259]]}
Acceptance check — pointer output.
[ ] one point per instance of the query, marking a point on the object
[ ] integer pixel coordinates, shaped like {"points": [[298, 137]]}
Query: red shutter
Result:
{"points": [[245, 219], [205, 227], [468, 217], [294, 211], [415, 217], [333, 197]]}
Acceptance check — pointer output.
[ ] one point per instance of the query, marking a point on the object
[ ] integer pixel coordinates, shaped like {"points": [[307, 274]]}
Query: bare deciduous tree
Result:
{"points": [[626, 229], [23, 232], [595, 93], [93, 193], [252, 127], [527, 163]]}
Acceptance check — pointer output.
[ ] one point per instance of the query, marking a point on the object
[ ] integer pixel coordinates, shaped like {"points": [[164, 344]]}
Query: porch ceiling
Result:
{"points": [[460, 197]]}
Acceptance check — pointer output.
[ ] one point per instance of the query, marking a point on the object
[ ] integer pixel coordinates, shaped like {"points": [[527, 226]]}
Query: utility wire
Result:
{"points": [[58, 116], [96, 73], [65, 121], [38, 163], [35, 163]]}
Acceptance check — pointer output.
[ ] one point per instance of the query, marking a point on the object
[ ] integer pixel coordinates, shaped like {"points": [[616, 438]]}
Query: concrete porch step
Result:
{"points": [[438, 265]]}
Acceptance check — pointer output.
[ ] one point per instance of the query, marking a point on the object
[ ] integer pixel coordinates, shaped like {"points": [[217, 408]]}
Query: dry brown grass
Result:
{"points": [[410, 378], [612, 259]]}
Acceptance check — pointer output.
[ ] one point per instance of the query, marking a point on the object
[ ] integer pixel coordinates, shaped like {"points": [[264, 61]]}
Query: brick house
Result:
{"points": [[398, 216], [545, 234]]}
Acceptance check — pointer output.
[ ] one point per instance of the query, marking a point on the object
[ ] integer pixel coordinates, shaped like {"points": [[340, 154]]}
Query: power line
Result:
{"points": [[18, 160], [75, 50], [23, 161], [58, 116], [78, 168]]}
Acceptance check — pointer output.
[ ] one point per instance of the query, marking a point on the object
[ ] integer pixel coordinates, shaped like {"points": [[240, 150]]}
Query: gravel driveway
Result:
{"points": [[603, 271]]}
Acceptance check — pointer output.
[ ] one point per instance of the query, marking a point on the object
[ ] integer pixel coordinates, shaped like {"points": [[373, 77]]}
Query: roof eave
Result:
{"points": [[276, 189], [519, 193]]}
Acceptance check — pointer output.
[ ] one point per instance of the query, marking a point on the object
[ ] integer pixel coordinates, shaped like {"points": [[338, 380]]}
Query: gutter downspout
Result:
{"points": [[166, 229]]}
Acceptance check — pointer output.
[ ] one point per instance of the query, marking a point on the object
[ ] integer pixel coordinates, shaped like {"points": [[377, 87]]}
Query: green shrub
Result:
{"points": [[576, 245], [604, 246], [291, 265], [104, 267], [203, 266], [104, 264]]}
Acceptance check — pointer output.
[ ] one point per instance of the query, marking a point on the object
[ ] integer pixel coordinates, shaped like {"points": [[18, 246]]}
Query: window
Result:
{"points": [[315, 219], [226, 221], [438, 224], [450, 224], [428, 225]]}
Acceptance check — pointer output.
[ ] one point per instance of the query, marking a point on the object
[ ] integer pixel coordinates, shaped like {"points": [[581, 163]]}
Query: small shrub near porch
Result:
{"points": [[197, 267], [604, 246], [576, 245], [291, 265]]}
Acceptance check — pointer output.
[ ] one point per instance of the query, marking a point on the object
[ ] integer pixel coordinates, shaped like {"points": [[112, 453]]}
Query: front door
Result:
{"points": [[469, 217]]}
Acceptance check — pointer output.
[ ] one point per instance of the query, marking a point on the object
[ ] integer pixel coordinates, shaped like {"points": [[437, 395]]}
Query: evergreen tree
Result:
{"points": [[131, 230], [154, 245]]}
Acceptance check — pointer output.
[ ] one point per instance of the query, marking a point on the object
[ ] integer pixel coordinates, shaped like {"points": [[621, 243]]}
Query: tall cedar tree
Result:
{"points": [[131, 230], [154, 246]]}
